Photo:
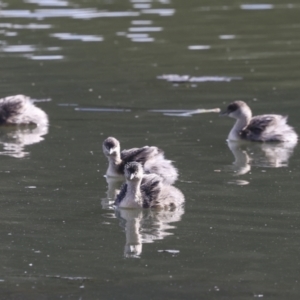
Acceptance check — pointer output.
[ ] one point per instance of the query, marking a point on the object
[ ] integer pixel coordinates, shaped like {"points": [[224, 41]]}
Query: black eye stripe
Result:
{"points": [[131, 170], [232, 107], [109, 144], [132, 167]]}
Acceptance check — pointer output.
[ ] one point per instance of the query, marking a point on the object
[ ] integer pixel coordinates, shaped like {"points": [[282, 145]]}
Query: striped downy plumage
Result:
{"points": [[151, 158], [146, 190]]}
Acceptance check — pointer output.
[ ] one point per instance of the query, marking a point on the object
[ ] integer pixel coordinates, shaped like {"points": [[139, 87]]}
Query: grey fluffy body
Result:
{"points": [[20, 110], [146, 190], [150, 157]]}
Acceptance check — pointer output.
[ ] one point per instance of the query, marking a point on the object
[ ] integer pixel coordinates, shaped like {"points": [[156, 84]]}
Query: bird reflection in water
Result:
{"points": [[113, 189], [267, 155], [145, 226], [14, 139]]}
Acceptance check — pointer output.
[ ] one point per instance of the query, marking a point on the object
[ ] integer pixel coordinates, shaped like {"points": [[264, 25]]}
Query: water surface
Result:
{"points": [[111, 68]]}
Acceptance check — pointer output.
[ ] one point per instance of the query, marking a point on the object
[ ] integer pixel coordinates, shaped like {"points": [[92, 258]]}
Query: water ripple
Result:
{"points": [[141, 22], [45, 57], [140, 1], [227, 37], [141, 5], [48, 2], [256, 6], [143, 40], [24, 26], [107, 14], [137, 35], [83, 38], [18, 48], [85, 13], [10, 33], [145, 29], [199, 47], [160, 11]]}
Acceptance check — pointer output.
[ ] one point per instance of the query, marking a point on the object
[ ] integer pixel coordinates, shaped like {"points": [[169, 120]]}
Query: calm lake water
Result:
{"points": [[100, 68]]}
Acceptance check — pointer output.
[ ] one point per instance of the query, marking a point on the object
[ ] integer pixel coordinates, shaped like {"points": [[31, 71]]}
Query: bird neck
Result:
{"points": [[239, 125], [115, 158], [133, 198], [134, 189], [113, 164]]}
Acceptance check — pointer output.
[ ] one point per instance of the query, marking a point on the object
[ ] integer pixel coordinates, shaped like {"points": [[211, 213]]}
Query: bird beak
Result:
{"points": [[111, 150], [223, 113], [131, 176]]}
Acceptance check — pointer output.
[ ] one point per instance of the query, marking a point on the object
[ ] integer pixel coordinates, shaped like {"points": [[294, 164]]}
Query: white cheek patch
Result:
{"points": [[111, 150], [232, 114]]}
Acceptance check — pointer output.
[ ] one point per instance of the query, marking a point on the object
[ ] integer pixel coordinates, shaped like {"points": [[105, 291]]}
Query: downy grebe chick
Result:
{"points": [[146, 190], [263, 128], [151, 158], [20, 110]]}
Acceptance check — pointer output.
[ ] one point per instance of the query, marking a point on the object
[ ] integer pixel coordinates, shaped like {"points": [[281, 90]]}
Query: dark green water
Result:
{"points": [[238, 236]]}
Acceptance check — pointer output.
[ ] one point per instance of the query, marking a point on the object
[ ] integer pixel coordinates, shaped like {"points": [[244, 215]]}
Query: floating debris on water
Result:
{"points": [[239, 182], [169, 110], [169, 251], [67, 104], [68, 277], [102, 109], [187, 78], [193, 112], [185, 112], [41, 100]]}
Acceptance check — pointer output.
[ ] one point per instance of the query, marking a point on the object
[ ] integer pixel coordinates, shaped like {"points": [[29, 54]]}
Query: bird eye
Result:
{"points": [[232, 107], [131, 170]]}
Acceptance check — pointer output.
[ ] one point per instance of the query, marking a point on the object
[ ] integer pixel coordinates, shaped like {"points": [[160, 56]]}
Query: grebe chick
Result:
{"points": [[20, 110], [151, 158], [262, 128], [146, 190]]}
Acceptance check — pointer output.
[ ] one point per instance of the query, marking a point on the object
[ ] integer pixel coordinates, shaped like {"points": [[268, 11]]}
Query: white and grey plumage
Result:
{"points": [[151, 158], [262, 128], [20, 110], [146, 190]]}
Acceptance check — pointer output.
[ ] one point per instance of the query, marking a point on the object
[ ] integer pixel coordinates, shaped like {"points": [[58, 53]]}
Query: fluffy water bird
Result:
{"points": [[146, 190], [20, 110], [262, 128], [151, 158]]}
